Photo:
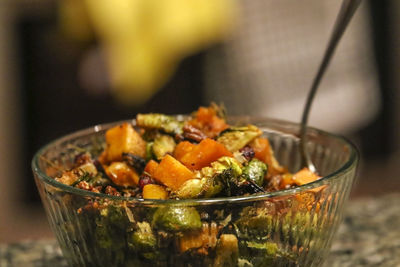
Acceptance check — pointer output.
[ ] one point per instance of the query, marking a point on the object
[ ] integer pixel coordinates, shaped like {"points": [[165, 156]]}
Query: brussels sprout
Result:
{"points": [[235, 138], [192, 188], [254, 222], [298, 228], [143, 239], [167, 124], [115, 215], [212, 186], [162, 145], [176, 219], [265, 254], [268, 248], [210, 181], [224, 163], [110, 232], [255, 171]]}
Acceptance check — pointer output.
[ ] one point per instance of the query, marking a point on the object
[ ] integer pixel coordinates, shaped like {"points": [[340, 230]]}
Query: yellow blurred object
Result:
{"points": [[145, 40], [74, 20]]}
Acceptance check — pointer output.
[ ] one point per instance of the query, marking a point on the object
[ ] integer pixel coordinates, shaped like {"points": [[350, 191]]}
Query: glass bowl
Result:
{"points": [[293, 227]]}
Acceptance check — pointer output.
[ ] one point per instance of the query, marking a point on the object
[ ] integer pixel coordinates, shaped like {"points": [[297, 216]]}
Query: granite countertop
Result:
{"points": [[368, 236]]}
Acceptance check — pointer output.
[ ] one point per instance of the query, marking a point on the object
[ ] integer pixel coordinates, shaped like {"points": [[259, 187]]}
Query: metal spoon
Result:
{"points": [[346, 12]]}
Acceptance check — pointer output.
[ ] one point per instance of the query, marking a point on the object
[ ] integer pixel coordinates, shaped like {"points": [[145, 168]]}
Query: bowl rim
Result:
{"points": [[349, 165]]}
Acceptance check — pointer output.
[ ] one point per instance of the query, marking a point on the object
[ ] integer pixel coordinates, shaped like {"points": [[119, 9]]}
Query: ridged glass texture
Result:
{"points": [[286, 228]]}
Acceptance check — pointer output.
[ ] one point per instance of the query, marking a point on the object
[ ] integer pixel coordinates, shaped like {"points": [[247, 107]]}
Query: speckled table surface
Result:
{"points": [[369, 236]]}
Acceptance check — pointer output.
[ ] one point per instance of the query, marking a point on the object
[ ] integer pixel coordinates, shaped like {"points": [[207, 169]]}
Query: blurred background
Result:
{"points": [[71, 64]]}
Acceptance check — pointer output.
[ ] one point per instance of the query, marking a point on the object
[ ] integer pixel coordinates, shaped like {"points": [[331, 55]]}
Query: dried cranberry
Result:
{"points": [[145, 180], [248, 152]]}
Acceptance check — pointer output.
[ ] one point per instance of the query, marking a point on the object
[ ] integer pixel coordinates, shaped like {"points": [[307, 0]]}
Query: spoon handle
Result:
{"points": [[346, 12]]}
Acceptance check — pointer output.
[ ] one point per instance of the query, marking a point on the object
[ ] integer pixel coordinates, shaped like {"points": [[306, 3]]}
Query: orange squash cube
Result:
{"points": [[121, 174], [123, 139], [154, 191], [182, 149], [204, 153], [172, 173], [151, 167], [304, 176]]}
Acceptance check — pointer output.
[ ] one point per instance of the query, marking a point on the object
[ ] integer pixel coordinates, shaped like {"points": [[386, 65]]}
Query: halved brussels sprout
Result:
{"points": [[176, 219], [255, 171], [165, 123], [143, 239], [163, 145], [236, 138], [192, 188]]}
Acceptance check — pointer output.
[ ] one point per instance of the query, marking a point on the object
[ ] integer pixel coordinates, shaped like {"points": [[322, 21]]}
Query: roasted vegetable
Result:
{"points": [[236, 138], [227, 251], [155, 162], [176, 219], [182, 149], [167, 124], [254, 222], [123, 139], [172, 173], [192, 188], [203, 154], [267, 253], [304, 176], [121, 174], [164, 144], [151, 167], [213, 180], [112, 223], [134, 161], [229, 180], [86, 172], [264, 152], [154, 191], [255, 171], [143, 239], [208, 121], [206, 238]]}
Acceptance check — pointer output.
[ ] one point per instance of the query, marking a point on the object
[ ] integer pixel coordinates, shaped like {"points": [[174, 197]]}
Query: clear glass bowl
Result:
{"points": [[292, 227]]}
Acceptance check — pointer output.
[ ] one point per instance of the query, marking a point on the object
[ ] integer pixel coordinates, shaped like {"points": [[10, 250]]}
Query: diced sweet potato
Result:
{"points": [[154, 191], [264, 152], [182, 149], [151, 167], [123, 139], [207, 238], [172, 173], [204, 153], [121, 174], [286, 181], [304, 176], [208, 122]]}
